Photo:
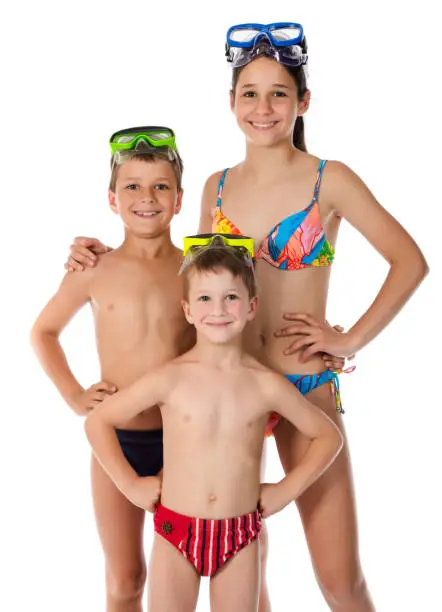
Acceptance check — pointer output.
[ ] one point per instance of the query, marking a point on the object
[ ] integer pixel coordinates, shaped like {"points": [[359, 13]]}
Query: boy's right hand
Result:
{"points": [[88, 399], [83, 253], [145, 492]]}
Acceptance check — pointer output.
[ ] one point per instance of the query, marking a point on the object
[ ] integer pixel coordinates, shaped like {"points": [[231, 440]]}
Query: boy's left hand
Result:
{"points": [[145, 492], [317, 337], [271, 499]]}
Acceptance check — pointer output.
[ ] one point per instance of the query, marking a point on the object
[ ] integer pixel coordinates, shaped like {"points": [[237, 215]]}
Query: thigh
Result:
{"points": [[173, 581], [120, 526], [327, 508], [235, 587]]}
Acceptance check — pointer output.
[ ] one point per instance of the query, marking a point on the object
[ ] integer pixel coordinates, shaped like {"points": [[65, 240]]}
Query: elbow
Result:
{"points": [[425, 268], [37, 336], [419, 265]]}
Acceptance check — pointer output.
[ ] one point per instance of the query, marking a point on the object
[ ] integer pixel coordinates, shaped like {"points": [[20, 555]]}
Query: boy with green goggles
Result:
{"points": [[135, 294]]}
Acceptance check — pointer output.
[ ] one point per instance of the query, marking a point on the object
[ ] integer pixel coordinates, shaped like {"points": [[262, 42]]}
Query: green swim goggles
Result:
{"points": [[152, 136], [142, 140]]}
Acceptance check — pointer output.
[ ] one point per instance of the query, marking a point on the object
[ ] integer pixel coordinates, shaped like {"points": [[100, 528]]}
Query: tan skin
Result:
{"points": [[266, 105], [212, 398], [134, 294], [275, 172]]}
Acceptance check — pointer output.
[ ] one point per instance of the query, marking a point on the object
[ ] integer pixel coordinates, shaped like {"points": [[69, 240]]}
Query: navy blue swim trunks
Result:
{"points": [[143, 449]]}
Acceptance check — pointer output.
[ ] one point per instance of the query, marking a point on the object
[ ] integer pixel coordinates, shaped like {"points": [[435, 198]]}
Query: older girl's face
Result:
{"points": [[265, 102]]}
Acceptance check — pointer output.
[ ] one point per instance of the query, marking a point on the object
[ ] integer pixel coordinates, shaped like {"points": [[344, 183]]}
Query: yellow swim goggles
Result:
{"points": [[195, 245]]}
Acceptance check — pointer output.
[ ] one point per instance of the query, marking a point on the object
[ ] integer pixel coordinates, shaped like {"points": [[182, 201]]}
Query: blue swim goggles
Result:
{"points": [[284, 42]]}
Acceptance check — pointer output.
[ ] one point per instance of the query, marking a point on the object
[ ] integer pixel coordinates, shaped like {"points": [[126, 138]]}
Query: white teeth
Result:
{"points": [[140, 213], [263, 125]]}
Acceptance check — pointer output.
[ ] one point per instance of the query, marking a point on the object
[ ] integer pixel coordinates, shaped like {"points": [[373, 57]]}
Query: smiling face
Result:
{"points": [[218, 304], [146, 196], [265, 102]]}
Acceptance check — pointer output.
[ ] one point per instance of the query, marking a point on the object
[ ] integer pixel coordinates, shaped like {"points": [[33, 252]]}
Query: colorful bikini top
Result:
{"points": [[298, 241]]}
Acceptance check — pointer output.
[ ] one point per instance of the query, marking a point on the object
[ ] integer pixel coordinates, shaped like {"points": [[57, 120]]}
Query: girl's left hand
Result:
{"points": [[317, 337]]}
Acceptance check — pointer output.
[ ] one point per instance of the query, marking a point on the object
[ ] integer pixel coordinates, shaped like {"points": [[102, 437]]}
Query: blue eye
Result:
{"points": [[232, 296], [203, 298]]}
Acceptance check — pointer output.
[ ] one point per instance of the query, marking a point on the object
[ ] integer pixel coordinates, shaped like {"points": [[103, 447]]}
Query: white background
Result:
{"points": [[73, 73]]}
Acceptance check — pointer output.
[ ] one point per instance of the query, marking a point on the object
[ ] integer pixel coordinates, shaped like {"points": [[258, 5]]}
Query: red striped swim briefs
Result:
{"points": [[207, 543]]}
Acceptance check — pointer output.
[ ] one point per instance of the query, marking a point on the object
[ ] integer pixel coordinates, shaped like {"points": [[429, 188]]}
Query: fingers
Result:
{"points": [[297, 316], [333, 363], [86, 241], [104, 386], [73, 266], [92, 244], [310, 340], [338, 328], [70, 268], [338, 364], [309, 351], [82, 255], [292, 330], [99, 396]]}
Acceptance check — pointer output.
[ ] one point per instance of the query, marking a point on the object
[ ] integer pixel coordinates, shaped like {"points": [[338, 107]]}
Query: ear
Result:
{"points": [[179, 201], [253, 305], [304, 104], [232, 100], [112, 201], [187, 313]]}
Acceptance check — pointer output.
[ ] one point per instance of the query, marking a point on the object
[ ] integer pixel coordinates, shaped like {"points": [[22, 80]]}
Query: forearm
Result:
{"points": [[103, 439], [400, 284], [53, 360], [320, 455]]}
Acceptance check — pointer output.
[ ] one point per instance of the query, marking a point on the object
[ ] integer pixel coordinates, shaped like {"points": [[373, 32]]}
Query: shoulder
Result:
{"points": [[210, 190], [213, 180], [341, 186], [270, 383], [263, 374], [338, 175]]}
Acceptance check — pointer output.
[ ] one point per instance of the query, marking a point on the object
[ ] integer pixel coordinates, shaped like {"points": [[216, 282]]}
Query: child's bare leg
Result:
{"points": [[264, 600], [235, 587], [173, 583], [328, 515], [120, 526]]}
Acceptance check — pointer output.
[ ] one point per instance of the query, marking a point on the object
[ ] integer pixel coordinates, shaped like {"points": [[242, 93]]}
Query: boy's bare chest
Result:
{"points": [[135, 291], [217, 406], [138, 316]]}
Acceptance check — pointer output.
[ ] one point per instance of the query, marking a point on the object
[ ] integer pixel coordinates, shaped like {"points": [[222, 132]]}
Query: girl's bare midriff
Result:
{"points": [[282, 291]]}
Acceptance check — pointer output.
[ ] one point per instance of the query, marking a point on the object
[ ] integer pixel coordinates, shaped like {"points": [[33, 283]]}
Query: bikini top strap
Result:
{"points": [[220, 188], [318, 179]]}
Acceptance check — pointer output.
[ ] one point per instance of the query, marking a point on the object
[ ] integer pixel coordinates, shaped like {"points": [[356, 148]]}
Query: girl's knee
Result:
{"points": [[127, 584]]}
